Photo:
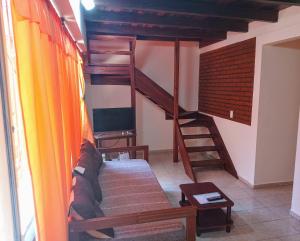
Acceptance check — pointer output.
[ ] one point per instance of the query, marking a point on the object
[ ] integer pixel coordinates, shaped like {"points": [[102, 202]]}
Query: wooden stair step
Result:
{"points": [[111, 38], [112, 76], [93, 69], [183, 115], [208, 162], [196, 123], [201, 148], [198, 136], [98, 79], [110, 65], [188, 115], [115, 52]]}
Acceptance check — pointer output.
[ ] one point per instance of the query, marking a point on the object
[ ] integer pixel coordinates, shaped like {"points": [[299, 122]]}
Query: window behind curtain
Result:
{"points": [[23, 178]]}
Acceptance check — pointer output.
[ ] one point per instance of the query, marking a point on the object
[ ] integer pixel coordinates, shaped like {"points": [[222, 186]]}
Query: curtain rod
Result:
{"points": [[64, 23]]}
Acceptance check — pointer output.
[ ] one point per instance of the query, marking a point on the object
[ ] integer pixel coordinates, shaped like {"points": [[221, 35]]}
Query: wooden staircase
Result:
{"points": [[103, 72], [221, 157], [164, 100], [151, 90], [127, 74], [144, 85], [113, 71]]}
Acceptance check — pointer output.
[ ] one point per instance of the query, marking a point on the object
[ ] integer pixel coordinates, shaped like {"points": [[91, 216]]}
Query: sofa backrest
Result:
{"points": [[86, 192]]}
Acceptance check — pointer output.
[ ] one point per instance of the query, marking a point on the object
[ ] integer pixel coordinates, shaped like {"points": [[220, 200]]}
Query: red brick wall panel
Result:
{"points": [[226, 81]]}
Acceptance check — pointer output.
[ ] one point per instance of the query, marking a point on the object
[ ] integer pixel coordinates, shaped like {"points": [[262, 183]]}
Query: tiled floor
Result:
{"points": [[258, 215]]}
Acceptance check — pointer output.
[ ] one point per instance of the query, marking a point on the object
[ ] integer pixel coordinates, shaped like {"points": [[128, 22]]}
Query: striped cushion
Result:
{"points": [[130, 186]]}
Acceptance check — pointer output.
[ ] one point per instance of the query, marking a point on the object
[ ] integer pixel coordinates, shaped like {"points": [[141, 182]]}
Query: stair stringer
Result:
{"points": [[223, 152], [207, 121], [151, 90], [184, 155]]}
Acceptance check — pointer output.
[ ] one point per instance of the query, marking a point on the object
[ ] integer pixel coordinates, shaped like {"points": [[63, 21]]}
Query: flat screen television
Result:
{"points": [[113, 119]]}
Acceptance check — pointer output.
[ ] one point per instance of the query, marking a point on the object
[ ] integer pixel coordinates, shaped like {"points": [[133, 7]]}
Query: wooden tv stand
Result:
{"points": [[115, 135]]}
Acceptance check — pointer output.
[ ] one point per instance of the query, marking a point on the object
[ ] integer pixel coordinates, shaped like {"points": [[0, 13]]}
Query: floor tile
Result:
{"points": [[291, 238], [258, 215]]}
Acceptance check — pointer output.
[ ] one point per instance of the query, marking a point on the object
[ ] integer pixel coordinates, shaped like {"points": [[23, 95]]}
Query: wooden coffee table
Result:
{"points": [[209, 216]]}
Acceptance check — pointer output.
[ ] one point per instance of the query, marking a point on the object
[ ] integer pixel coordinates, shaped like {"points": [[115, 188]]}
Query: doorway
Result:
{"points": [[278, 117], [279, 103]]}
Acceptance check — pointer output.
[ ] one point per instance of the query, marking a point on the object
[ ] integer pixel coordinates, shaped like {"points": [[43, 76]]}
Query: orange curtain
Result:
{"points": [[51, 87]]}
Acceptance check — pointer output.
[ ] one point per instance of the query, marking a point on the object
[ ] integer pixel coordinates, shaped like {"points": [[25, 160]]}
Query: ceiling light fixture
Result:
{"points": [[88, 4]]}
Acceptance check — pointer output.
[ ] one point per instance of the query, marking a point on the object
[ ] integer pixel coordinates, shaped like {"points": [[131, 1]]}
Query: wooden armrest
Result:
{"points": [[138, 218], [145, 150]]}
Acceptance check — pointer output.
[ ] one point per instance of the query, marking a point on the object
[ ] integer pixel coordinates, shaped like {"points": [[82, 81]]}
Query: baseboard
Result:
{"points": [[276, 184], [265, 185], [295, 215], [246, 182]]}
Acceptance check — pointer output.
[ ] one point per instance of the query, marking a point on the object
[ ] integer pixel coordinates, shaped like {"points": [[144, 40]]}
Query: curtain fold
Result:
{"points": [[51, 86]]}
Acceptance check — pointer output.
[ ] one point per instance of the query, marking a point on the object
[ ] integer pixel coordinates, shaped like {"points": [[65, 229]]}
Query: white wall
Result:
{"points": [[240, 139], [278, 115], [155, 59], [295, 209], [152, 127]]}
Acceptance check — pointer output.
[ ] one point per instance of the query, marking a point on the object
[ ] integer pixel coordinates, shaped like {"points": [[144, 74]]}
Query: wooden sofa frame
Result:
{"points": [[189, 213], [131, 149]]}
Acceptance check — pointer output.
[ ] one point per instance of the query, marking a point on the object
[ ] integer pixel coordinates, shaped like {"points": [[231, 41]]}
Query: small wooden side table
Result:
{"points": [[209, 216]]}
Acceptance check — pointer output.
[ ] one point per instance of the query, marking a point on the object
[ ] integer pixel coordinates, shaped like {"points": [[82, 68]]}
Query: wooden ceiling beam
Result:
{"points": [[167, 20], [112, 38], [152, 38], [202, 43], [200, 8], [279, 2], [118, 29]]}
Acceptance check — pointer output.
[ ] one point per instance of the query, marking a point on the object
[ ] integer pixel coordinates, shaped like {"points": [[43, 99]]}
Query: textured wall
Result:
{"points": [[226, 81]]}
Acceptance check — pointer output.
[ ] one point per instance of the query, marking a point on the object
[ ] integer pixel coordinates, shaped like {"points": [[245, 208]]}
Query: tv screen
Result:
{"points": [[113, 119]]}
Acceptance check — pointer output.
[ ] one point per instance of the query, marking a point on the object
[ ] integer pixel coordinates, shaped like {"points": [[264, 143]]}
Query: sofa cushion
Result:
{"points": [[87, 152], [83, 207], [129, 186], [82, 198], [86, 168], [90, 148], [87, 145]]}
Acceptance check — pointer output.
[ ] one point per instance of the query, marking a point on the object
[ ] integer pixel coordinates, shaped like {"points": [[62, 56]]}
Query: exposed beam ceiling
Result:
{"points": [[206, 21], [119, 29], [200, 8], [152, 38], [201, 42], [286, 3], [166, 20]]}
